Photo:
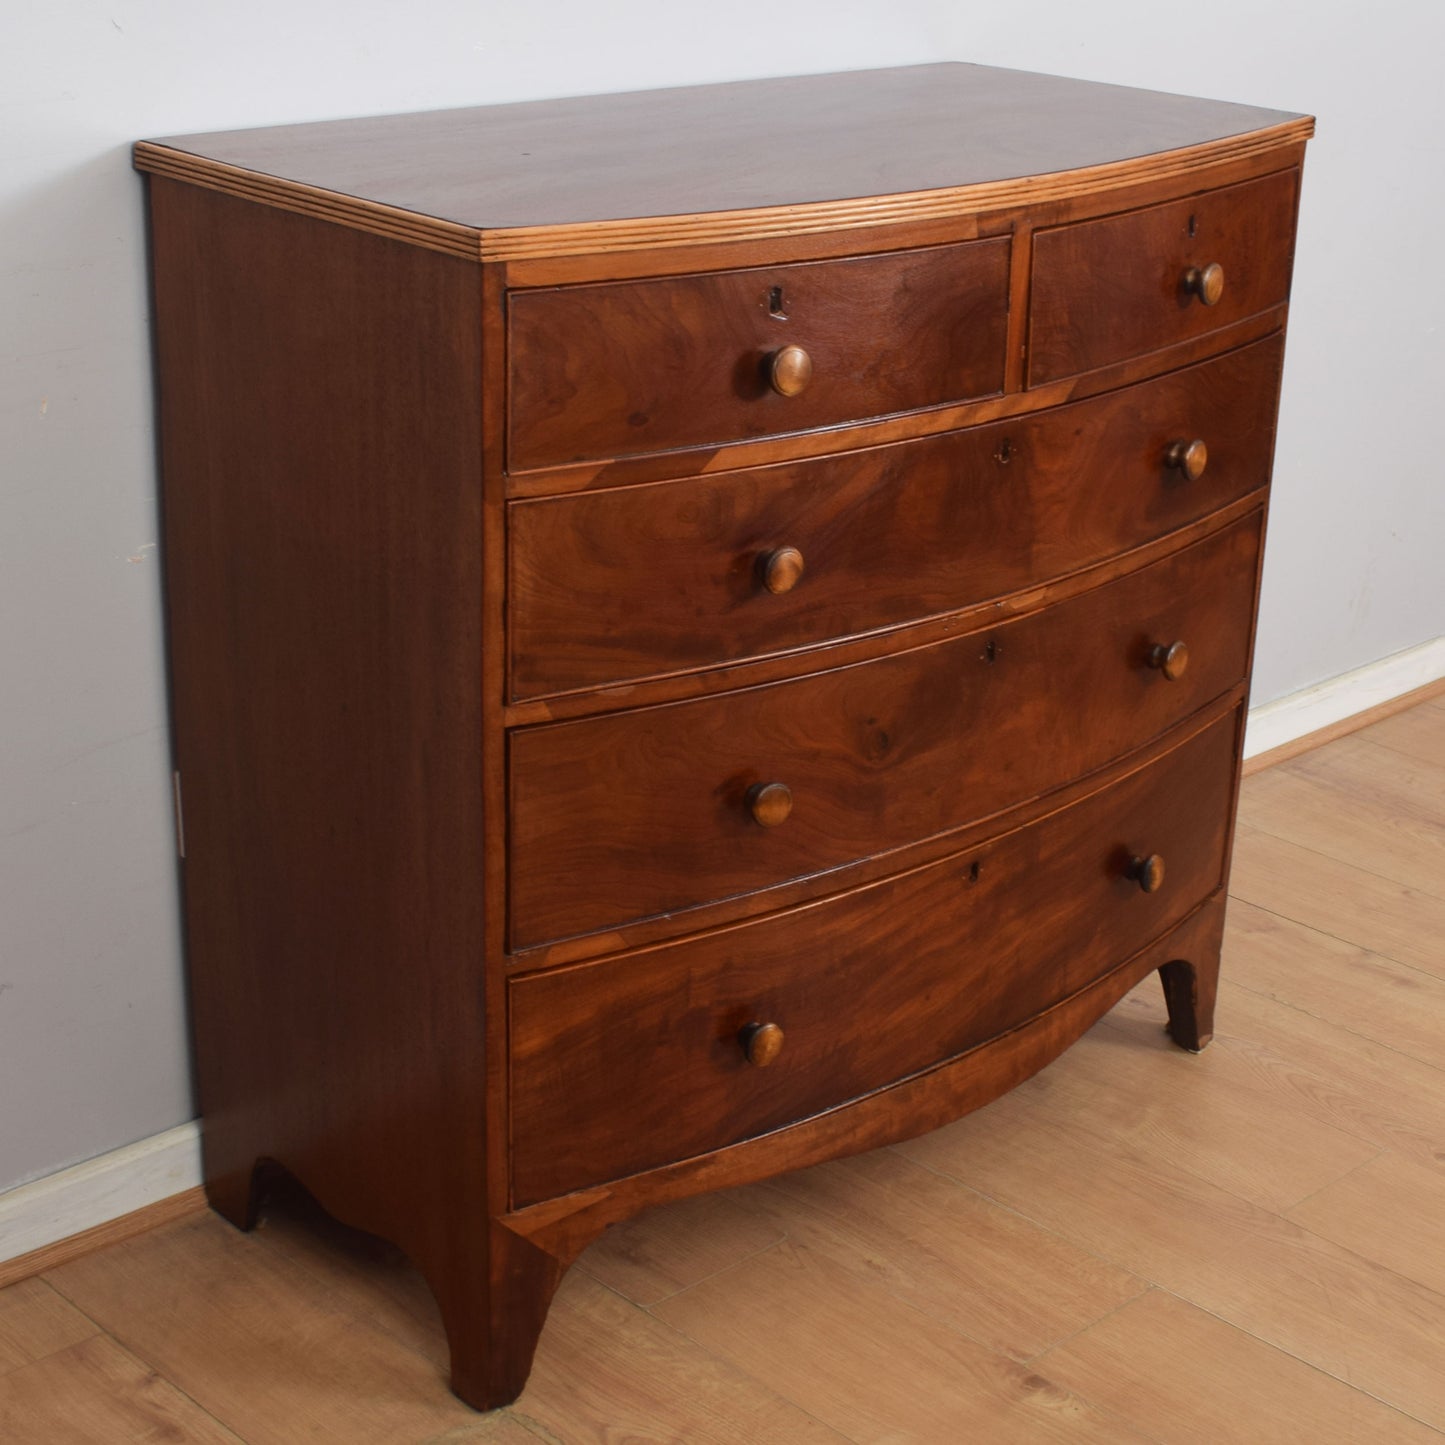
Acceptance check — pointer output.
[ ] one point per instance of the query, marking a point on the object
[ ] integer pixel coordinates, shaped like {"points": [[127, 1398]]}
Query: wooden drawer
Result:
{"points": [[637, 813], [639, 366], [617, 585], [628, 1064], [1113, 288]]}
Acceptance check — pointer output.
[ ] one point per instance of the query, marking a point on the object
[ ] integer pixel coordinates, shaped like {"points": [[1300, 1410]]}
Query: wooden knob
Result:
{"points": [[1172, 660], [762, 1043], [1148, 872], [781, 569], [1205, 282], [1191, 458], [790, 370], [770, 803]]}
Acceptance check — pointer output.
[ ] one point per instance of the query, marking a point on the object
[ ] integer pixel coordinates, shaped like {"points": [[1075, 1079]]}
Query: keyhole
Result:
{"points": [[1193, 227], [1005, 452], [973, 871], [990, 651], [775, 303]]}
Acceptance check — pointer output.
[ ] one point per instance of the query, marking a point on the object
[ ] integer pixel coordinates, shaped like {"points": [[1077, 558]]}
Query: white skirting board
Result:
{"points": [[1337, 698], [127, 1179], [99, 1190]]}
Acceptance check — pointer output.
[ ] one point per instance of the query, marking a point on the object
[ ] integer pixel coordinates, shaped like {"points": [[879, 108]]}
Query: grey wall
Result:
{"points": [[92, 1042]]}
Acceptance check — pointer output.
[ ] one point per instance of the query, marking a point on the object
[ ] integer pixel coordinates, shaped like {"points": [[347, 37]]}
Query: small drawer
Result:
{"points": [[631, 1063], [618, 585], [632, 814], [1118, 287], [642, 366]]}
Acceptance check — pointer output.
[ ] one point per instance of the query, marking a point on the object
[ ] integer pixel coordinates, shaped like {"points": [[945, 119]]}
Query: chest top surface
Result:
{"points": [[806, 141]]}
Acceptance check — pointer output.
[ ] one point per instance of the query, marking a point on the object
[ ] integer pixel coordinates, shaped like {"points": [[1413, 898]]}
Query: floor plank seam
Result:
{"points": [[1335, 858], [534, 1427], [802, 1409], [1347, 1279], [1222, 1037], [335, 1300], [1181, 1171], [329, 1297], [1047, 1229], [156, 1372], [100, 1329], [1330, 1183], [1426, 765], [902, 1299], [1398, 751], [185, 1395], [25, 1362], [1040, 1224], [1371, 949], [1301, 1359], [721, 1360], [1034, 1360], [1354, 1033]]}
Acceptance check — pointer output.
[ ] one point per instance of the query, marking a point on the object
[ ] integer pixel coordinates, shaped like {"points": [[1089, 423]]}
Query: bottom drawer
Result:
{"points": [[633, 1062]]}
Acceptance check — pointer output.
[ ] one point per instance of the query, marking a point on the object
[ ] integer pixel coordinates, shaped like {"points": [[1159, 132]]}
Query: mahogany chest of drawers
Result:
{"points": [[709, 630]]}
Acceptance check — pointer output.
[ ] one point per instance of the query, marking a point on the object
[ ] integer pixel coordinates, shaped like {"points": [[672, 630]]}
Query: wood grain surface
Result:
{"points": [[882, 983], [631, 814], [603, 371], [135, 1221], [381, 840], [1115, 287], [1163, 1326], [324, 578], [806, 152], [669, 466], [611, 586]]}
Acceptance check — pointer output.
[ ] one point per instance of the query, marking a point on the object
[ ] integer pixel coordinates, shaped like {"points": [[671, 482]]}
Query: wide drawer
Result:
{"points": [[632, 814], [627, 1064], [603, 371], [612, 586], [1109, 289]]}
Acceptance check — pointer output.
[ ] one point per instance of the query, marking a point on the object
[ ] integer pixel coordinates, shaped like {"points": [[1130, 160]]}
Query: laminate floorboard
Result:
{"points": [[1137, 1245], [1161, 1363], [1330, 896]]}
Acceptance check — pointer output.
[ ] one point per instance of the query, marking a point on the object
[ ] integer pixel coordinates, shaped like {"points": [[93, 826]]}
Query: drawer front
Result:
{"points": [[613, 586], [641, 366], [627, 1064], [1109, 289], [634, 814]]}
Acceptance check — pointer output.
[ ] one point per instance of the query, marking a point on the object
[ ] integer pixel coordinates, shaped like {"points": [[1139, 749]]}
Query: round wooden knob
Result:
{"points": [[781, 569], [1191, 458], [1172, 660], [1205, 282], [770, 803], [1148, 872], [790, 370], [762, 1043]]}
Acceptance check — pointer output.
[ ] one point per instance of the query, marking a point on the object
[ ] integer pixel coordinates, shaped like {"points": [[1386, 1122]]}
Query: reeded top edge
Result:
{"points": [[740, 161]]}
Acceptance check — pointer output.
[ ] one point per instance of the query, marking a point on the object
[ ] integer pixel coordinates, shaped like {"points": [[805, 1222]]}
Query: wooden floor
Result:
{"points": [[1137, 1245]]}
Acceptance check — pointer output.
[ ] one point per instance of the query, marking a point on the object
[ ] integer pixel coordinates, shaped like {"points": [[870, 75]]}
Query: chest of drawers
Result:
{"points": [[709, 630]]}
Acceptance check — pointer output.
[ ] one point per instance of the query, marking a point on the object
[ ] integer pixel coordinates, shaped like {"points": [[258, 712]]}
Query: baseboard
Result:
{"points": [[1312, 716], [144, 1184], [99, 1201]]}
